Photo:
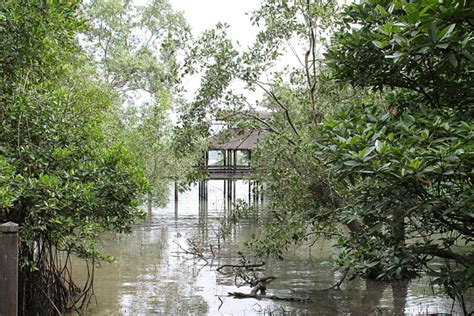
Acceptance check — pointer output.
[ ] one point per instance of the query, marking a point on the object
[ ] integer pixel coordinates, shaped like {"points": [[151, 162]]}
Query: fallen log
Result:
{"points": [[259, 292], [246, 266], [270, 297]]}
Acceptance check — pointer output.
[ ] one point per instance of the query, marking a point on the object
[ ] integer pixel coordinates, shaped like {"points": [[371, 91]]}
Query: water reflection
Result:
{"points": [[154, 276]]}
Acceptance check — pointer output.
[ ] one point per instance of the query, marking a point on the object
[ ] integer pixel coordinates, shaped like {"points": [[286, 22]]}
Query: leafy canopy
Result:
{"points": [[59, 180]]}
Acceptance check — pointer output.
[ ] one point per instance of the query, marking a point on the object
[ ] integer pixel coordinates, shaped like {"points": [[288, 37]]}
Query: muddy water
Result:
{"points": [[153, 274]]}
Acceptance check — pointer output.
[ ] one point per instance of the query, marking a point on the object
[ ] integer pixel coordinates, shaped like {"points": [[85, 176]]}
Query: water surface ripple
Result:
{"points": [[153, 275]]}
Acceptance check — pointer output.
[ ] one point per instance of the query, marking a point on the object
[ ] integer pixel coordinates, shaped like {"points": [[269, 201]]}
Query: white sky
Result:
{"points": [[205, 14]]}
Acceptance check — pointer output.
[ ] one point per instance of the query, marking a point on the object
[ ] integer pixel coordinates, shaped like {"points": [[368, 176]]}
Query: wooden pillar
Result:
{"points": [[176, 192], [255, 192], [206, 196], [229, 189], [225, 194], [234, 188], [229, 195], [234, 158], [250, 192], [200, 189], [231, 160], [176, 195], [9, 269]]}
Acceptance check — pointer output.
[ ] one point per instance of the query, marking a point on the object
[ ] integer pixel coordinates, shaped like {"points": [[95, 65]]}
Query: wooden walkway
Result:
{"points": [[228, 172]]}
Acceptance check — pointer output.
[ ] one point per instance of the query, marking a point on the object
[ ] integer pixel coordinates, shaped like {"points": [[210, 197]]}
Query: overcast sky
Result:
{"points": [[205, 14]]}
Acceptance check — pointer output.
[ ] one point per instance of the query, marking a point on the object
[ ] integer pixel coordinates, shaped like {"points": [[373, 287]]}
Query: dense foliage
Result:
{"points": [[371, 139], [59, 181], [409, 158], [135, 48]]}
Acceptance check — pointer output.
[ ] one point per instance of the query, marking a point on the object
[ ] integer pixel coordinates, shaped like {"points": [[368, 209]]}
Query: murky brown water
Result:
{"points": [[152, 274]]}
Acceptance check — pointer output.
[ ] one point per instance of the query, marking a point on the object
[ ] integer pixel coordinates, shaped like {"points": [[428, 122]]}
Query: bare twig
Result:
{"points": [[339, 283], [222, 302]]}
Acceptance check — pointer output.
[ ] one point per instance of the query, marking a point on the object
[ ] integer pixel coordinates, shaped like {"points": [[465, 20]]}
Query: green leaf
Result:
{"points": [[387, 28], [352, 163], [424, 134], [468, 56], [425, 9], [400, 39], [442, 45], [396, 56], [415, 164], [381, 10], [379, 44], [385, 166], [452, 60], [433, 32], [423, 50], [367, 151], [446, 32]]}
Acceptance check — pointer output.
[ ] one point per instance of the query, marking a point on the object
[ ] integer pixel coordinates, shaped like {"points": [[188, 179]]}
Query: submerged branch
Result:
{"points": [[337, 286], [246, 266], [270, 297]]}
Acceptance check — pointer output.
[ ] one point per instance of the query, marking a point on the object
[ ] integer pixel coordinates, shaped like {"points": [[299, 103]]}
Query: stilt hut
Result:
{"points": [[229, 153]]}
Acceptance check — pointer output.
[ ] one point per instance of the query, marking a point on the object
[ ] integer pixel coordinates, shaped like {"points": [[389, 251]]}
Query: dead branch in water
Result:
{"points": [[270, 297], [259, 291], [337, 286], [245, 266], [194, 250], [260, 285]]}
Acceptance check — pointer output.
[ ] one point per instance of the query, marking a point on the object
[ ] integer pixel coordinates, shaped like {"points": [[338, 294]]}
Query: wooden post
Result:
{"points": [[225, 194], [255, 192], [9, 269], [234, 158], [229, 195], [176, 195], [234, 188], [250, 192]]}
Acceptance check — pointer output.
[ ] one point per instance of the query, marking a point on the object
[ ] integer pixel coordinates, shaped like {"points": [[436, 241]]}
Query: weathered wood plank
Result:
{"points": [[8, 269]]}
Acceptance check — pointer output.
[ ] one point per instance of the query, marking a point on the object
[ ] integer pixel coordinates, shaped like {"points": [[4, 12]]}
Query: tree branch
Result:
{"points": [[275, 98]]}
